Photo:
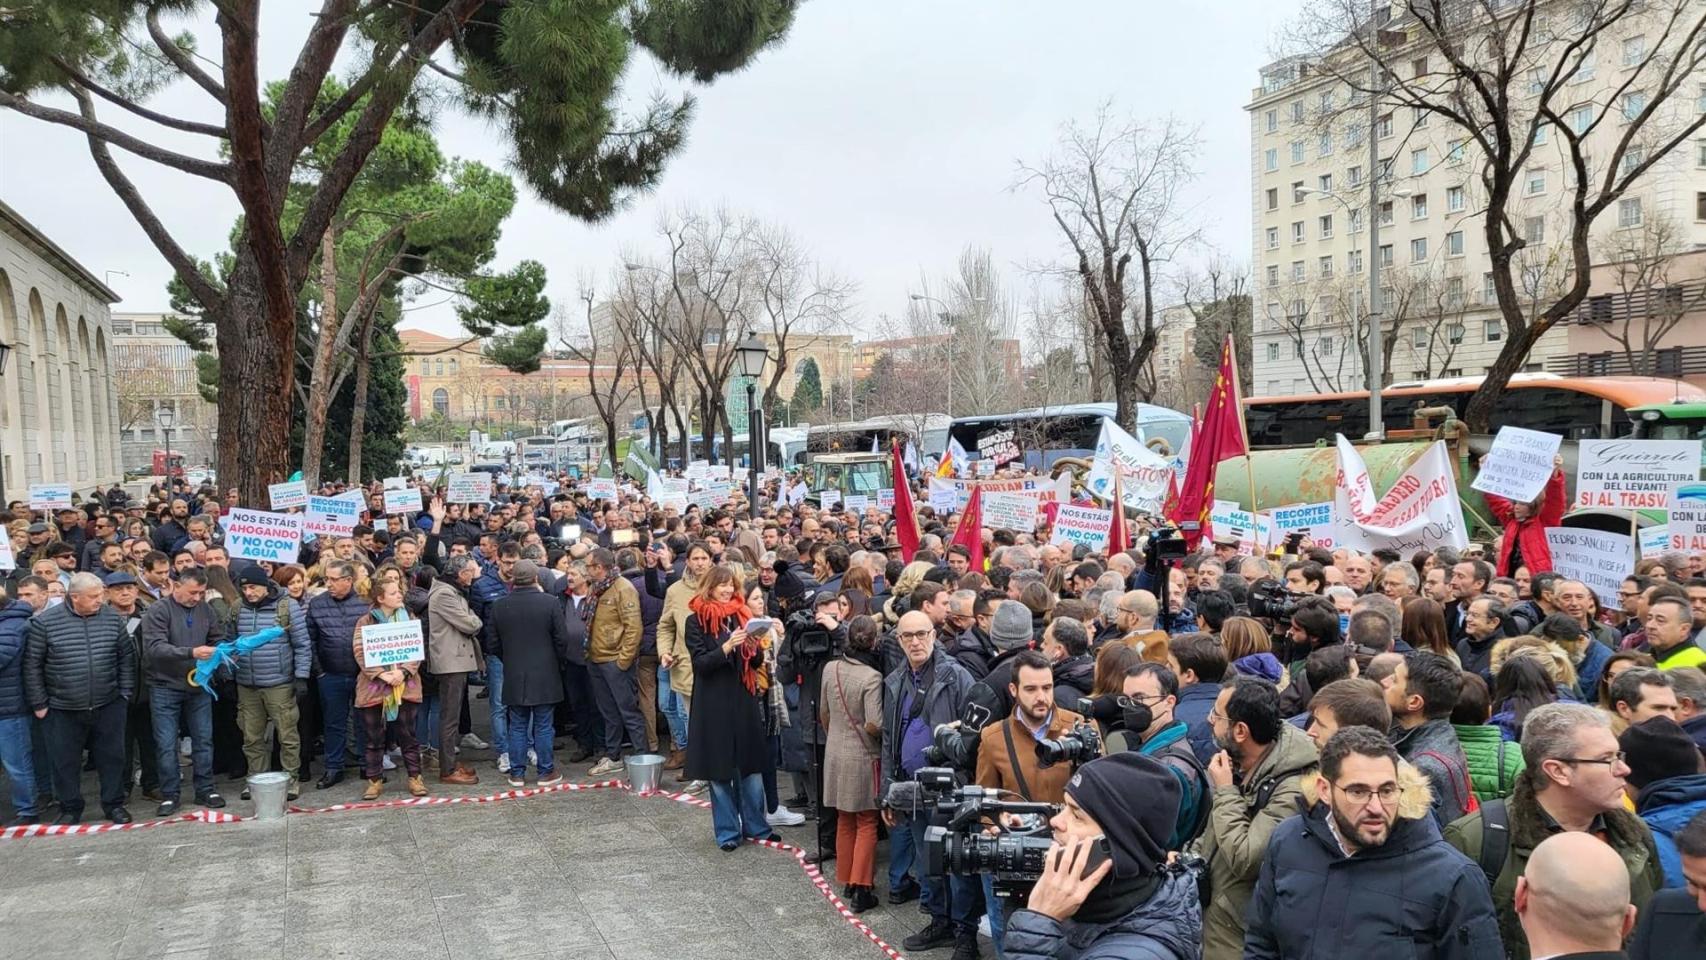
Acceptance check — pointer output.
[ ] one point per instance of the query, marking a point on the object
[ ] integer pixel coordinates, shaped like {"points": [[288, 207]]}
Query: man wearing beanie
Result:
{"points": [[272, 678], [1130, 906], [1366, 873], [990, 701], [533, 640], [1666, 784]]}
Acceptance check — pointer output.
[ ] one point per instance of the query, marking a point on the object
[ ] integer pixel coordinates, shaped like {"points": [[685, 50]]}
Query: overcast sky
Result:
{"points": [[883, 133]]}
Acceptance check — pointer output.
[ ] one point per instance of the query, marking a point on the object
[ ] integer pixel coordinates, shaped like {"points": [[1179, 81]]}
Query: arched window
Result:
{"points": [[441, 402]]}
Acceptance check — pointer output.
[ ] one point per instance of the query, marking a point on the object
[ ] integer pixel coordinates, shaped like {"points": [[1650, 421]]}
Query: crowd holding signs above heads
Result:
{"points": [[1325, 728]]}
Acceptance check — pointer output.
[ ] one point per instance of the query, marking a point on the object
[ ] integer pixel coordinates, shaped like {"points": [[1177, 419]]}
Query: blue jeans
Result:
{"points": [[500, 715], [995, 910], [952, 897], [530, 727], [19, 760], [902, 846], [165, 704], [426, 721], [772, 796], [737, 809], [337, 696], [674, 709]]}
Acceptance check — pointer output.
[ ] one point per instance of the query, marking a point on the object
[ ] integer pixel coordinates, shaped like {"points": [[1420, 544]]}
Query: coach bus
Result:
{"points": [[1042, 435], [928, 433], [1575, 408]]}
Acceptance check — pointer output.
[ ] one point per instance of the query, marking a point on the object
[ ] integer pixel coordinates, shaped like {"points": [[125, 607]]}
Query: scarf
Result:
{"points": [[590, 603], [713, 617]]}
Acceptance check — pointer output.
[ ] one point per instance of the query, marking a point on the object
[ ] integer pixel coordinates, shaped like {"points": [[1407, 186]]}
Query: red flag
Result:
{"points": [[1219, 436], [1119, 535], [905, 517], [1170, 506], [970, 532]]}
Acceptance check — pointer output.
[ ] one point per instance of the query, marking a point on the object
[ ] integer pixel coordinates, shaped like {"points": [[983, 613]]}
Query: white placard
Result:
{"points": [[7, 560], [396, 483], [1043, 488], [50, 496], [473, 487], [388, 644], [1633, 474], [1420, 512], [291, 493], [1144, 474], [1600, 560], [1688, 518], [720, 491], [1655, 540], [944, 499], [855, 503], [1229, 521], [262, 535], [406, 500], [601, 488], [1518, 465], [828, 498], [331, 516], [1010, 511], [1074, 524], [885, 499]]}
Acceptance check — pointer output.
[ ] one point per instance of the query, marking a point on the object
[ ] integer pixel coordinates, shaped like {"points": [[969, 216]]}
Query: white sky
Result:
{"points": [[883, 133]]}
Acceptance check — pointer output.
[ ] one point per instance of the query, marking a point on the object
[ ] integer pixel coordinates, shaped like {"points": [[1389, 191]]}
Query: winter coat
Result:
{"points": [[533, 642], [651, 610], [1476, 656], [1167, 926], [1413, 895], [1667, 805], [852, 696], [1530, 533], [331, 628], [1595, 656], [170, 631], [369, 689], [1195, 703], [1668, 927], [1074, 677], [995, 763], [613, 635], [290, 657], [725, 728], [1624, 831], [672, 633], [486, 590], [73, 662], [1494, 762], [943, 701], [1236, 838], [974, 650], [453, 632], [1433, 749], [1171, 746], [14, 628]]}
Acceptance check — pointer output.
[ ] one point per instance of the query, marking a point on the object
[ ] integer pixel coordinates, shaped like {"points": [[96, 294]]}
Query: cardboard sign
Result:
{"points": [[291, 493], [331, 516], [855, 503], [262, 535], [601, 488], [1013, 511], [1315, 519], [1518, 465], [1688, 518], [1229, 521], [1600, 560], [1074, 524], [885, 499], [1633, 474], [998, 446], [1420, 512], [1144, 473], [388, 644], [406, 500], [50, 496], [469, 488], [829, 498], [1655, 540]]}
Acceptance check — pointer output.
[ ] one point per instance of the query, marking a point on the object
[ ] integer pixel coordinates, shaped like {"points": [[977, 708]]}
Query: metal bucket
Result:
{"points": [[645, 772], [267, 790]]}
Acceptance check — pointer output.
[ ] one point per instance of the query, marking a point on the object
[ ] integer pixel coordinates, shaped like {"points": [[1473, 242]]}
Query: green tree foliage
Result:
{"points": [[808, 391], [1217, 318], [387, 411]]}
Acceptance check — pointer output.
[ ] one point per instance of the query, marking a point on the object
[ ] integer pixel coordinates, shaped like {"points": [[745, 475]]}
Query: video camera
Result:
{"points": [[1165, 548], [1271, 600], [955, 842]]}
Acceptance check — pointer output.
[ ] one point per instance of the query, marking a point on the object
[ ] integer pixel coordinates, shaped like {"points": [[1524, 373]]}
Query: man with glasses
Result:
{"points": [[1366, 872], [1147, 725], [1574, 782], [331, 631]]}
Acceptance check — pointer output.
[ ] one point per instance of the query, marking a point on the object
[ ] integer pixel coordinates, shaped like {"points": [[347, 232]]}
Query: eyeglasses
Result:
{"points": [[1610, 761], [1214, 716], [916, 634], [1130, 703], [1387, 792]]}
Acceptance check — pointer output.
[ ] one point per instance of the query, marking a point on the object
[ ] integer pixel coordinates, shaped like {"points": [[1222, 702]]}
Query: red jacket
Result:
{"points": [[1531, 533]]}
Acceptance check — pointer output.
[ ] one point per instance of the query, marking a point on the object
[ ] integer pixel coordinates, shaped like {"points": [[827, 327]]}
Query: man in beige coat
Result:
{"points": [[452, 654]]}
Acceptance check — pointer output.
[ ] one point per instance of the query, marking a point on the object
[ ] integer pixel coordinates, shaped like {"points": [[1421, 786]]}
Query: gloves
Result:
{"points": [[301, 687]]}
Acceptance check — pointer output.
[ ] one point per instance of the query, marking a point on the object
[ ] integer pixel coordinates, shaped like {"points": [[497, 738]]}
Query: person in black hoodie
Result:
{"points": [[972, 647], [1067, 645]]}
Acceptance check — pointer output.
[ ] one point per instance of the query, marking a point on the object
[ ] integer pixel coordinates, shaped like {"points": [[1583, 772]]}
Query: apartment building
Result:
{"points": [[1310, 167]]}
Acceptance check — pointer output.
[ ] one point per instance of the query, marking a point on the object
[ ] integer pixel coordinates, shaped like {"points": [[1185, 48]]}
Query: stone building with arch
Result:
{"points": [[58, 406]]}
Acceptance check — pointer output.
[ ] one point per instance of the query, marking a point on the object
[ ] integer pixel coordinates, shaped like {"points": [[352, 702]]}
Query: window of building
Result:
{"points": [[1273, 275], [1273, 238], [1453, 199], [1452, 371], [438, 367], [1324, 183], [1634, 50], [1297, 111], [1386, 213], [453, 366], [1454, 292], [1383, 127], [1494, 330], [1418, 206], [1632, 159], [1454, 243], [1455, 333], [1419, 339], [1297, 275], [1272, 120], [1633, 103], [1355, 217], [1324, 145], [1419, 374], [1489, 294], [1386, 254], [1297, 350], [1273, 351], [498, 401], [1355, 173], [1419, 117], [1581, 118], [1700, 154], [1385, 170], [1326, 267], [1419, 161], [1297, 151], [1700, 206], [1324, 226], [1297, 231], [1353, 261], [1297, 191], [1326, 346], [441, 402], [1353, 136], [1541, 135], [1418, 249], [1454, 153], [1534, 229], [1387, 301], [1629, 212], [1584, 69], [1273, 198], [1270, 159], [1534, 182], [1537, 81], [1419, 67]]}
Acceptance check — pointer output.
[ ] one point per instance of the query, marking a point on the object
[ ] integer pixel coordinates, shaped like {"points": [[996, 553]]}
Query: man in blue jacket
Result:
{"points": [[1366, 871], [1666, 784], [331, 631], [16, 755], [493, 585]]}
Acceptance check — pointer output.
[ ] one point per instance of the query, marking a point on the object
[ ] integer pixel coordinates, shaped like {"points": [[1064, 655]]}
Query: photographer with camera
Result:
{"points": [[814, 637], [1131, 906], [1007, 757]]}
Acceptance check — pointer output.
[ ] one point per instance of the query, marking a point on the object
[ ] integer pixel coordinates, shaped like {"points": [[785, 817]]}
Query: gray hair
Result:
{"points": [[1260, 564], [534, 552], [85, 582], [1408, 570], [1019, 558], [1107, 604], [1689, 684], [1496, 608], [1549, 733], [964, 599], [1340, 590], [456, 564]]}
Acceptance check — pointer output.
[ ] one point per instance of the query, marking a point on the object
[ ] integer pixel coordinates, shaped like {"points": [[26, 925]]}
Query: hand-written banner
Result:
{"points": [[1518, 465], [1600, 560]]}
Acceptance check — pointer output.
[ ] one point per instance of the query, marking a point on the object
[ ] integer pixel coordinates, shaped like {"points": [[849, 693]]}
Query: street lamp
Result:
{"points": [[165, 417], [949, 321], [752, 355]]}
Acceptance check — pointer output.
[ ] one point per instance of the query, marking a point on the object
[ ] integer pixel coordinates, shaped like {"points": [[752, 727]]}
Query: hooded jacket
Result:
{"points": [[1433, 749], [1167, 926], [1667, 805], [1412, 895], [288, 658], [14, 625], [1494, 762], [1074, 678]]}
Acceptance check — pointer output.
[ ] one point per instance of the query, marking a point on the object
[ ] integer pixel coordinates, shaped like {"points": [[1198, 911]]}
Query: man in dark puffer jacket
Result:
{"points": [[78, 674], [272, 677], [16, 755], [331, 632]]}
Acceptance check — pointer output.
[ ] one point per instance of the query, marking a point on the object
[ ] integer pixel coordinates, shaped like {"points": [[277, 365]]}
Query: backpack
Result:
{"points": [[1193, 781], [1495, 839], [1467, 796]]}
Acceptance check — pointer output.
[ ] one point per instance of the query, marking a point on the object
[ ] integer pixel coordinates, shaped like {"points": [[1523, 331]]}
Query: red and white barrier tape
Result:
{"points": [[84, 829], [516, 793]]}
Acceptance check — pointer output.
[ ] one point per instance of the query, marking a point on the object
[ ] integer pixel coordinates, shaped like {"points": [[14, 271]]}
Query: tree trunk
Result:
{"points": [[320, 375], [257, 377], [358, 406]]}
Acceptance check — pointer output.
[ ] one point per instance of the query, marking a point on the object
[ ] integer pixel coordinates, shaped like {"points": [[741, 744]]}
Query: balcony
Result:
{"points": [[1666, 362], [1661, 303]]}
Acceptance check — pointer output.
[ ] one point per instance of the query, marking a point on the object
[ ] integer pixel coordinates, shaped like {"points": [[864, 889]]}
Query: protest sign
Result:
{"points": [[601, 488], [406, 500], [469, 488], [388, 644], [855, 503], [263, 535], [50, 496], [721, 491], [1314, 519], [1633, 474], [1010, 511], [1600, 560], [1043, 488], [291, 493], [828, 498], [885, 499], [396, 483], [1518, 465], [985, 468], [998, 446], [1144, 472], [1231, 522], [1074, 524], [1655, 540], [331, 516], [7, 560], [1420, 512], [943, 497], [1688, 517], [697, 470]]}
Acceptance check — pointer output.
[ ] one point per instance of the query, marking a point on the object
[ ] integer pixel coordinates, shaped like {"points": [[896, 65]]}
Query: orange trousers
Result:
{"points": [[856, 847]]}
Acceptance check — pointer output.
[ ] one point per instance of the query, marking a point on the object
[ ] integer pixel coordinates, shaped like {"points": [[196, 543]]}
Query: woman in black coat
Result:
{"points": [[725, 729]]}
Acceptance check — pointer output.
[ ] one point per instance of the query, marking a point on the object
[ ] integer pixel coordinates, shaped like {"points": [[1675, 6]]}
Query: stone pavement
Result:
{"points": [[593, 875]]}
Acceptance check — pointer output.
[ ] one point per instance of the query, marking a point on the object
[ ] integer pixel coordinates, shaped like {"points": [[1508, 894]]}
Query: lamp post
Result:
{"points": [[950, 321], [752, 355], [165, 417]]}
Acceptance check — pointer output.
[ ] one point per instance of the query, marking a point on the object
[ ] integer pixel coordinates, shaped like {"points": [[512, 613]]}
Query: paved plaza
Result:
{"points": [[589, 875]]}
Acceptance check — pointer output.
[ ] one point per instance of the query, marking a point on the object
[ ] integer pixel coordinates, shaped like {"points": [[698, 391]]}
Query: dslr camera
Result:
{"points": [[1077, 746]]}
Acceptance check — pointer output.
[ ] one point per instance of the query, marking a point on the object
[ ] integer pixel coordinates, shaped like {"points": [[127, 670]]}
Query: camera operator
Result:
{"points": [[1007, 757], [930, 688], [1131, 905], [812, 639]]}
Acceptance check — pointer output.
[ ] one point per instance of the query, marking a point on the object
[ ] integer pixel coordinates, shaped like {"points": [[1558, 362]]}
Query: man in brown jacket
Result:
{"points": [[1007, 752], [613, 646]]}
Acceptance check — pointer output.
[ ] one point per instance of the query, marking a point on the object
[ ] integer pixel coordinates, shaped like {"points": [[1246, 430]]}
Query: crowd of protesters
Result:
{"points": [[1320, 753]]}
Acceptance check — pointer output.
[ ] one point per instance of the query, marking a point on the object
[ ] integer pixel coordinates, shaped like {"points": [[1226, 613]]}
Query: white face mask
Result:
{"points": [[55, 601]]}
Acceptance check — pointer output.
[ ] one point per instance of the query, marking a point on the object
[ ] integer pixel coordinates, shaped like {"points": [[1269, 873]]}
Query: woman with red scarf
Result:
{"points": [[1524, 540], [725, 729]]}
